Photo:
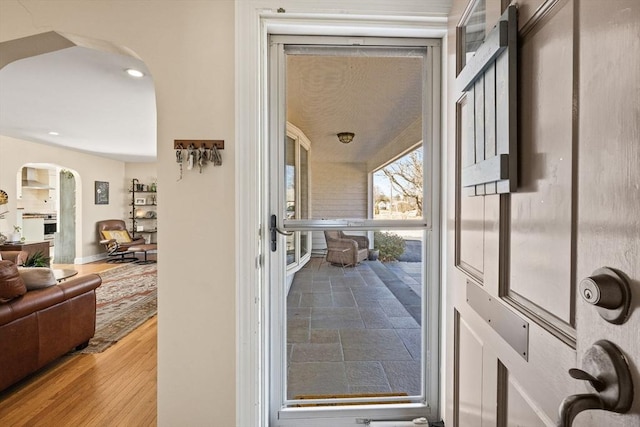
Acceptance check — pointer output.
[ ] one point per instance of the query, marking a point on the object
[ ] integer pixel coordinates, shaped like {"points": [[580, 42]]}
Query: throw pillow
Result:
{"points": [[120, 236], [11, 284], [37, 277]]}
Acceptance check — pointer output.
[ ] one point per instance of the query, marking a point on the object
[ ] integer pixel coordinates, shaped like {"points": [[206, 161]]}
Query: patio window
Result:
{"points": [[297, 195]]}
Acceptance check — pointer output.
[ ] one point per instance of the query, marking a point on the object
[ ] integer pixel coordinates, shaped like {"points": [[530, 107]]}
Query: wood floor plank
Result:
{"points": [[116, 387]]}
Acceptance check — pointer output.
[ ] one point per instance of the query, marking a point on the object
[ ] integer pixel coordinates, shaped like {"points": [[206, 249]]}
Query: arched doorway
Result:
{"points": [[47, 202]]}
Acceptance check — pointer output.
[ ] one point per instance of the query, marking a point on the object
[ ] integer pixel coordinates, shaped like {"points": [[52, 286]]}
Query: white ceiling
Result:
{"points": [[80, 90], [85, 95], [376, 98]]}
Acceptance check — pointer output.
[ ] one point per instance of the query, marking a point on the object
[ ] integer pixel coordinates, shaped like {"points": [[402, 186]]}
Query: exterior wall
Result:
{"points": [[338, 190], [188, 47], [14, 153]]}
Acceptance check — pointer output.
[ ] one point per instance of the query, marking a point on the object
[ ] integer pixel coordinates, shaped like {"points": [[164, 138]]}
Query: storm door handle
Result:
{"points": [[273, 230]]}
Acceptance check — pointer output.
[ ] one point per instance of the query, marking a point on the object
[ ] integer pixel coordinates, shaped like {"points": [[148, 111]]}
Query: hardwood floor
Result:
{"points": [[113, 388]]}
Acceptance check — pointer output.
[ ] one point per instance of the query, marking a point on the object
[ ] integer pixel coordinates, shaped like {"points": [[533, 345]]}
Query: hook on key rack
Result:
{"points": [[199, 151]]}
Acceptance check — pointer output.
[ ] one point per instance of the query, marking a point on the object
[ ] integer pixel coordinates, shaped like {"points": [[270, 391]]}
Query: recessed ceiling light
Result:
{"points": [[134, 73], [54, 133]]}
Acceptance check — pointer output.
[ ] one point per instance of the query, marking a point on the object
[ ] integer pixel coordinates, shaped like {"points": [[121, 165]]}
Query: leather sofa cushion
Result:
{"points": [[11, 284]]}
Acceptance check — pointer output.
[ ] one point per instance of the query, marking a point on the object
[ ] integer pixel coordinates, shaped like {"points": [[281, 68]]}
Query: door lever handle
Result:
{"points": [[606, 370], [273, 229], [574, 404]]}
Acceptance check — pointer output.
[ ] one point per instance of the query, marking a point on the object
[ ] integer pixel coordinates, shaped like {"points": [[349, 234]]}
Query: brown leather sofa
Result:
{"points": [[38, 326]]}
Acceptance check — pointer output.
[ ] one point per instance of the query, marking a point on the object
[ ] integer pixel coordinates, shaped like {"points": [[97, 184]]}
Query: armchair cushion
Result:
{"points": [[120, 236]]}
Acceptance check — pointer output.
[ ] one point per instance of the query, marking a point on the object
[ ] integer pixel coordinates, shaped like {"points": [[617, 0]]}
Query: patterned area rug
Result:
{"points": [[125, 300]]}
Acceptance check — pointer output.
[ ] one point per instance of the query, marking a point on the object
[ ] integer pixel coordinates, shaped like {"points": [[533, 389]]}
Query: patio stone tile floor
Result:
{"points": [[353, 330]]}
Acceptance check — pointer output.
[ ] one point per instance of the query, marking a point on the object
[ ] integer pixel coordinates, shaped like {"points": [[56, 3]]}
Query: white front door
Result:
{"points": [[516, 317]]}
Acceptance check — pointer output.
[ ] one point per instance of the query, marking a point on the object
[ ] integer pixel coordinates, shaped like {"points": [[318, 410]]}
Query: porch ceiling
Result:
{"points": [[377, 98]]}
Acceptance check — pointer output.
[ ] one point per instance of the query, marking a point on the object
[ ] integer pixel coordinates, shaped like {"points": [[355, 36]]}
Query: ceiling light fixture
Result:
{"points": [[54, 133], [134, 73], [346, 137]]}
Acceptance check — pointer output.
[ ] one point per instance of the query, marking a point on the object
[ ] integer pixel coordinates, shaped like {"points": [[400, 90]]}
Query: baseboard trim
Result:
{"points": [[91, 258]]}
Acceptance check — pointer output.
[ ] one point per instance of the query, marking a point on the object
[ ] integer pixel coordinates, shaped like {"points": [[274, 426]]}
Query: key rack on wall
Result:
{"points": [[197, 153], [197, 143]]}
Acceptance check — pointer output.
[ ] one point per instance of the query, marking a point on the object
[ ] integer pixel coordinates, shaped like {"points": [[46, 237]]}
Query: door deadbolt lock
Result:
{"points": [[608, 290]]}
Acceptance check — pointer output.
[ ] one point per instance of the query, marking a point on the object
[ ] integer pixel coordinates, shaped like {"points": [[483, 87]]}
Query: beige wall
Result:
{"points": [[188, 47], [14, 153]]}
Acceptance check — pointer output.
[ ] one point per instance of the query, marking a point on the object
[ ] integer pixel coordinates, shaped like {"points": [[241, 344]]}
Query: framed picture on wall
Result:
{"points": [[102, 192]]}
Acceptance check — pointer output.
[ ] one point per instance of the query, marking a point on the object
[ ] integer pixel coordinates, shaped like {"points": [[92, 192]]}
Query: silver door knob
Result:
{"points": [[608, 290], [606, 370]]}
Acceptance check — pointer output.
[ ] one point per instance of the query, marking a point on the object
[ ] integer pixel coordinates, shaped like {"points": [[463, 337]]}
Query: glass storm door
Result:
{"points": [[354, 268]]}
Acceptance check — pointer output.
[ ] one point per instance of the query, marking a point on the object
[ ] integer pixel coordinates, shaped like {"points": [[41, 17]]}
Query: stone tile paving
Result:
{"points": [[353, 330]]}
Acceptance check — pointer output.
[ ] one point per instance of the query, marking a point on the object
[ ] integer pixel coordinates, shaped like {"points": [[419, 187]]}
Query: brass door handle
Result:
{"points": [[606, 370]]}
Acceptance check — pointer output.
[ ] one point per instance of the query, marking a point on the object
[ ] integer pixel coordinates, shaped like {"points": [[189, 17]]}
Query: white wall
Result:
{"points": [[14, 153], [189, 49]]}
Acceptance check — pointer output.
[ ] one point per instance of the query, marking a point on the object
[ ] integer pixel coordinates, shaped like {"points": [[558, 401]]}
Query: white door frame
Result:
{"points": [[253, 26]]}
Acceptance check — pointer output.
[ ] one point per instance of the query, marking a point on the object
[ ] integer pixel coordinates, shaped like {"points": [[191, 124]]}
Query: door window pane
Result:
{"points": [[377, 97]]}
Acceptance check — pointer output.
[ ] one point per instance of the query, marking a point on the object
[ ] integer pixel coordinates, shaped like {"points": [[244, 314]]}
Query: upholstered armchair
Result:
{"points": [[346, 249], [113, 234]]}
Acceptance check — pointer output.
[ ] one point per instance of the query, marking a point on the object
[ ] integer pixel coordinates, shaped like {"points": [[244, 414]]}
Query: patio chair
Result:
{"points": [[113, 234], [346, 250]]}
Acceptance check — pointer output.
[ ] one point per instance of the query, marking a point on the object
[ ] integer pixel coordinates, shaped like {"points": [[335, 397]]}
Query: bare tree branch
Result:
{"points": [[405, 174]]}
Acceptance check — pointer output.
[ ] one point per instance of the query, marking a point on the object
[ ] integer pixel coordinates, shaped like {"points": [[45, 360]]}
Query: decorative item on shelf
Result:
{"points": [[198, 153], [140, 201]]}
